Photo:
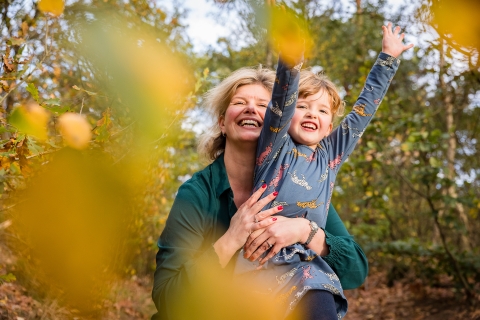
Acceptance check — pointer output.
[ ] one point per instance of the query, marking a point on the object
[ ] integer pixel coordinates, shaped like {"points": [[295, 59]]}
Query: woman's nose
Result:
{"points": [[251, 107]]}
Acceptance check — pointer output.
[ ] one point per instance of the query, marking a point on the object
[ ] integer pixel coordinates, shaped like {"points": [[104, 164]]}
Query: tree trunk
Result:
{"points": [[451, 150]]}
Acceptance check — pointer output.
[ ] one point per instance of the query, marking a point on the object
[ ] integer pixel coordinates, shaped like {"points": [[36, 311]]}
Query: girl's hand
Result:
{"points": [[392, 43], [285, 232]]}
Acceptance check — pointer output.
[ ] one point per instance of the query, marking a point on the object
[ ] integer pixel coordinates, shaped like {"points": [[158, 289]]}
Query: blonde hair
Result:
{"points": [[217, 99], [311, 83]]}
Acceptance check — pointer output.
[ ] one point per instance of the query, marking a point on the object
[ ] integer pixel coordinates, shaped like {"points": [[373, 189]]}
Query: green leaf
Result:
{"points": [[7, 278], [15, 168], [33, 147], [57, 109], [33, 91], [52, 102], [7, 154], [15, 41], [434, 162], [90, 93]]}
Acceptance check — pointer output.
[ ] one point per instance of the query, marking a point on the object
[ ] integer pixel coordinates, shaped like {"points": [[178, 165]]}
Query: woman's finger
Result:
{"points": [[255, 245], [273, 251], [262, 248], [255, 196]]}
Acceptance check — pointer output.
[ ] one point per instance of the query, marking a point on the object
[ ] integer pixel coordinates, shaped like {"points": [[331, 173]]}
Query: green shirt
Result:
{"points": [[200, 215]]}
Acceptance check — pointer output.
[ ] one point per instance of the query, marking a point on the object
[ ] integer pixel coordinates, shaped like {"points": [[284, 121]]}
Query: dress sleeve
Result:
{"points": [[346, 257], [279, 112], [344, 138], [183, 253]]}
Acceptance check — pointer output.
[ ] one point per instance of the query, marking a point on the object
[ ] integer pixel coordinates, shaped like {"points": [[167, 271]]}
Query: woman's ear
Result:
{"points": [[221, 123]]}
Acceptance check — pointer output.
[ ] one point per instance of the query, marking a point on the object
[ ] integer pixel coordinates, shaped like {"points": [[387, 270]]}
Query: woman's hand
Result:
{"points": [[247, 219], [392, 43], [285, 232]]}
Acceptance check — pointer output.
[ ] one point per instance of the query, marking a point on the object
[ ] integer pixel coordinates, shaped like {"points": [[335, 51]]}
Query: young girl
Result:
{"points": [[299, 155]]}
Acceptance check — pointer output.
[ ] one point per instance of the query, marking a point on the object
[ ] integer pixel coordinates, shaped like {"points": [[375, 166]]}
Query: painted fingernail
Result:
{"points": [[280, 207], [275, 193], [274, 219], [264, 186]]}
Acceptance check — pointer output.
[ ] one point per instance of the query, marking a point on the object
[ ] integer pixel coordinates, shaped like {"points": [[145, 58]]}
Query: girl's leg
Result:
{"points": [[315, 305]]}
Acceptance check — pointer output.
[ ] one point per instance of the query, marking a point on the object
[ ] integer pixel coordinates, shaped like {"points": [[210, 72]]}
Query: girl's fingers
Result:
{"points": [[396, 31], [263, 202], [267, 213]]}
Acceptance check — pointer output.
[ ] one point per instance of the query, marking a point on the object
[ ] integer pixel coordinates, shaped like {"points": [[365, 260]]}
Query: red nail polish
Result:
{"points": [[280, 207], [274, 219], [264, 186], [275, 193]]}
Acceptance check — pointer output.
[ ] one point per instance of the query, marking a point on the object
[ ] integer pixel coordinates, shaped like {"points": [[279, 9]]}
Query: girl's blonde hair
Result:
{"points": [[311, 83], [217, 99]]}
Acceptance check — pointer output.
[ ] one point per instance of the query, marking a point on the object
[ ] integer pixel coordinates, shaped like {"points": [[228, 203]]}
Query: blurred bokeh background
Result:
{"points": [[100, 115]]}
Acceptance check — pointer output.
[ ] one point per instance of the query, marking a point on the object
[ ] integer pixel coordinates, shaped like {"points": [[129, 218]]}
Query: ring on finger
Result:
{"points": [[269, 245]]}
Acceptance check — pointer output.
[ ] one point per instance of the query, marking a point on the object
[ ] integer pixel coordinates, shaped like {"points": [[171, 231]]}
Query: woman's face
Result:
{"points": [[243, 119]]}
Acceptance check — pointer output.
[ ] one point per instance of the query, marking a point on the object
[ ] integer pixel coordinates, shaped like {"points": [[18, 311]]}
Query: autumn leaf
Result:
{"points": [[31, 119], [288, 34], [33, 91], [54, 7], [15, 41], [75, 130], [90, 93]]}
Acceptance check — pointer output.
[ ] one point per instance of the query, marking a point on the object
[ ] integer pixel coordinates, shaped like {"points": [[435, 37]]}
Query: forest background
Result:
{"points": [[101, 112]]}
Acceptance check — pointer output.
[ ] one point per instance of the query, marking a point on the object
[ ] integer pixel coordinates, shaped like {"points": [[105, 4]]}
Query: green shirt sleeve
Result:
{"points": [[346, 257]]}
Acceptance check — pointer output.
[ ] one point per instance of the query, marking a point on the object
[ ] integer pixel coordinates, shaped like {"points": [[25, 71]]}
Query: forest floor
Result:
{"points": [[131, 299]]}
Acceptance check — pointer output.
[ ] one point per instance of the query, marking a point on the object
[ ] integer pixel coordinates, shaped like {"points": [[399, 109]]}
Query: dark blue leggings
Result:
{"points": [[315, 305]]}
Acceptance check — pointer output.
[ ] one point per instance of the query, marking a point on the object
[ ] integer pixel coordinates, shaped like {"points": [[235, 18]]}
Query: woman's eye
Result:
{"points": [[301, 106], [238, 102]]}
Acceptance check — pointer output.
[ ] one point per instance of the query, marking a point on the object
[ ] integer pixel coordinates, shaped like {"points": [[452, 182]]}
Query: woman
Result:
{"points": [[205, 228]]}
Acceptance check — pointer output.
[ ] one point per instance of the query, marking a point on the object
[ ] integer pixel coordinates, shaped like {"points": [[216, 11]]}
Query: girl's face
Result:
{"points": [[243, 119], [312, 120]]}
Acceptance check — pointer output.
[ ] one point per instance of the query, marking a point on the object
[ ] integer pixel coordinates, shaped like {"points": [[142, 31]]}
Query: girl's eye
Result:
{"points": [[262, 105], [324, 111]]}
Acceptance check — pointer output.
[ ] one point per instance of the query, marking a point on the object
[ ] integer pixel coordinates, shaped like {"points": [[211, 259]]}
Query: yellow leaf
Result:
{"points": [[288, 34], [54, 7], [75, 130], [31, 119]]}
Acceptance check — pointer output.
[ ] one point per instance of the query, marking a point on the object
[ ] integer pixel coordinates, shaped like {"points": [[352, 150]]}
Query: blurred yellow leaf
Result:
{"points": [[288, 34], [31, 119], [76, 219], [54, 7], [145, 72], [466, 28], [75, 130]]}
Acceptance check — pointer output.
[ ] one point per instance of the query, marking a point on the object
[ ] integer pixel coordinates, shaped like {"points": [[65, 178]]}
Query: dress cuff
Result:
{"points": [[384, 59]]}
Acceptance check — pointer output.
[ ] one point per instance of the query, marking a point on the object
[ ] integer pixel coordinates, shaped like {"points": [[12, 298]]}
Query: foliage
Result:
{"points": [[118, 93]]}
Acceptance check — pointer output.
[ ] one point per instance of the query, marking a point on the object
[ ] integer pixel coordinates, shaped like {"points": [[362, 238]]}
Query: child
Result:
{"points": [[299, 155]]}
